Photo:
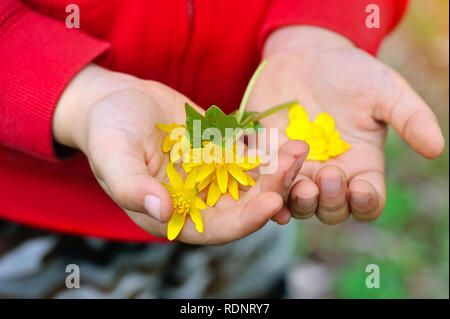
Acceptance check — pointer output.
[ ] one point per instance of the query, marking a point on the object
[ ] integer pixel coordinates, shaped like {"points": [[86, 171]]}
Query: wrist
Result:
{"points": [[298, 39]]}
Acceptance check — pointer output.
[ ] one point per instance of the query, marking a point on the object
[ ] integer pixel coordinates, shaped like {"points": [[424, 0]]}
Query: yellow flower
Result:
{"points": [[184, 200], [175, 142], [323, 139], [222, 170]]}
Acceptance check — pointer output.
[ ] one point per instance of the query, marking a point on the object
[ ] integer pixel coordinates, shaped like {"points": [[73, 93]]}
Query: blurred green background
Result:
{"points": [[410, 241]]}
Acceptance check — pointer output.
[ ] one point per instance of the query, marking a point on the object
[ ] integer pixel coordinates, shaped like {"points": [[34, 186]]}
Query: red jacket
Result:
{"points": [[206, 49]]}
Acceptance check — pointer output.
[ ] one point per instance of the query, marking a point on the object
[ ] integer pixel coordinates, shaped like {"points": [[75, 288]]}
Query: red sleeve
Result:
{"points": [[38, 58], [345, 17]]}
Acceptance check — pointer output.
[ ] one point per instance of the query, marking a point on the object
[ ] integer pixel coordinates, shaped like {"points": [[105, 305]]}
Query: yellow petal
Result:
{"points": [[317, 146], [337, 148], [209, 153], [204, 183], [175, 153], [325, 121], [189, 166], [321, 157], [185, 148], [167, 144], [196, 156], [317, 132], [250, 180], [292, 133], [199, 203], [167, 127], [297, 111], [333, 136], [189, 183], [238, 174], [248, 163], [169, 187], [174, 178], [204, 171], [196, 217], [233, 188], [222, 178], [175, 225], [185, 143], [213, 194], [299, 129]]}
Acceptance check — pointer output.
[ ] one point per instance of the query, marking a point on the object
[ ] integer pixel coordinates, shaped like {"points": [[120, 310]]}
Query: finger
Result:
{"points": [[366, 202], [278, 182], [288, 163], [220, 226], [333, 207], [283, 216], [290, 159], [413, 120], [303, 199], [299, 151], [223, 226], [128, 182]]}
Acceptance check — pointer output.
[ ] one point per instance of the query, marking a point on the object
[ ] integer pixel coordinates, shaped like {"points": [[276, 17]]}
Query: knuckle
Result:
{"points": [[302, 215], [301, 212], [333, 207], [367, 216]]}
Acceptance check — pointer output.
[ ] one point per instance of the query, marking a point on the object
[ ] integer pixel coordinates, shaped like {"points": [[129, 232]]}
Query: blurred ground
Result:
{"points": [[410, 241]]}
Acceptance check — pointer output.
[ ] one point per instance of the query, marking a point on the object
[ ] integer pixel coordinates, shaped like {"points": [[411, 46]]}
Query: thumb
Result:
{"points": [[398, 105]]}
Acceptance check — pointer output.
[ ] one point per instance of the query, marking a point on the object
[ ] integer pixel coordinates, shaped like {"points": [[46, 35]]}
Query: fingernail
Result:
{"points": [[331, 186], [153, 206], [301, 159], [360, 198], [305, 202]]}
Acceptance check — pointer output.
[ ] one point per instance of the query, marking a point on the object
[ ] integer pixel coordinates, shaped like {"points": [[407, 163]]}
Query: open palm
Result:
{"points": [[361, 94], [124, 150]]}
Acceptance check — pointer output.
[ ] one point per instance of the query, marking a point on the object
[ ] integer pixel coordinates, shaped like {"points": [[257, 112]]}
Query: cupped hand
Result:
{"points": [[111, 117], [326, 73]]}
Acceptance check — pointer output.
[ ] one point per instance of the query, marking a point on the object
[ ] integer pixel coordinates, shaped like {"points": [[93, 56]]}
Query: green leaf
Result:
{"points": [[249, 124], [191, 115], [257, 126], [215, 117], [254, 127]]}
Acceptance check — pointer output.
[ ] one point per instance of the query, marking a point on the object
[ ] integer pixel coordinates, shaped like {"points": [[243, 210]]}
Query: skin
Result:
{"points": [[327, 73], [111, 118]]}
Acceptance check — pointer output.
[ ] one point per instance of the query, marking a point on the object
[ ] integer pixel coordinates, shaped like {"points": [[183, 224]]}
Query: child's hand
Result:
{"points": [[111, 117], [326, 73]]}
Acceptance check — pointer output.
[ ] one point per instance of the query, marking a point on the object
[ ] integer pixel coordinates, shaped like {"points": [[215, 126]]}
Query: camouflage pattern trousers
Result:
{"points": [[33, 264]]}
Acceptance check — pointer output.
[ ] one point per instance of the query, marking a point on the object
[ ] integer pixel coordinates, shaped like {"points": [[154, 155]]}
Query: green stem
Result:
{"points": [[258, 116], [248, 90]]}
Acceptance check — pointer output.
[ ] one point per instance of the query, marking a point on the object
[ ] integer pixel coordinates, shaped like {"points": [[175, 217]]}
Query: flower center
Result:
{"points": [[181, 203]]}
